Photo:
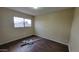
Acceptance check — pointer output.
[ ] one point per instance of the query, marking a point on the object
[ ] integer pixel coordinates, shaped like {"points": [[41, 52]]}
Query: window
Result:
{"points": [[21, 22], [27, 23]]}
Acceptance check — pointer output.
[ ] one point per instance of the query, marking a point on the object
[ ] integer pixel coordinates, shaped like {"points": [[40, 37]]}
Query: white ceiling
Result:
{"points": [[39, 11]]}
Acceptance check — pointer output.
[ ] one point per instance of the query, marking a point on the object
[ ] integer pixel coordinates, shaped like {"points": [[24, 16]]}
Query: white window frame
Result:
{"points": [[24, 26]]}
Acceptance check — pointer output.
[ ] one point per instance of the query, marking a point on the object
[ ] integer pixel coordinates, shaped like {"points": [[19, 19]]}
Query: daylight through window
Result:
{"points": [[21, 22]]}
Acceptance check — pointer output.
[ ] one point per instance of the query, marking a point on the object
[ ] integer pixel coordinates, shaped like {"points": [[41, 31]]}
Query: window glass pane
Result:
{"points": [[27, 22], [18, 22]]}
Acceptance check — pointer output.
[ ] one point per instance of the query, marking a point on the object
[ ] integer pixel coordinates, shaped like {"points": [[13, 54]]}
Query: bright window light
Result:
{"points": [[27, 23], [21, 22], [35, 7], [18, 22]]}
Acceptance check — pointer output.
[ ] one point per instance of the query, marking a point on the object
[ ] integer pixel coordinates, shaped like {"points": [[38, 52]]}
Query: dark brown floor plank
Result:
{"points": [[38, 45]]}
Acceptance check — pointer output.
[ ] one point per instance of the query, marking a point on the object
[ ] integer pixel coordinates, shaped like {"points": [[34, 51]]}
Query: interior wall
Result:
{"points": [[74, 38], [55, 26], [0, 24], [9, 32]]}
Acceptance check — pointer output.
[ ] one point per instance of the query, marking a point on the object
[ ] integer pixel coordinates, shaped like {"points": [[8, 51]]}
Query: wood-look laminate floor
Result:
{"points": [[35, 44]]}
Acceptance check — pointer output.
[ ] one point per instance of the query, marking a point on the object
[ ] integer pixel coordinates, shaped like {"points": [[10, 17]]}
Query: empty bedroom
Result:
{"points": [[39, 29]]}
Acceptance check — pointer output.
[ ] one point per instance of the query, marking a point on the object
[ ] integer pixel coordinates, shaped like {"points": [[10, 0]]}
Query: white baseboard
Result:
{"points": [[30, 35], [54, 40], [13, 39]]}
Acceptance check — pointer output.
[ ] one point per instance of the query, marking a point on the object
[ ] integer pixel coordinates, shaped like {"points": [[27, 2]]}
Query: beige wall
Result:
{"points": [[0, 24], [55, 26], [74, 38], [9, 33]]}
